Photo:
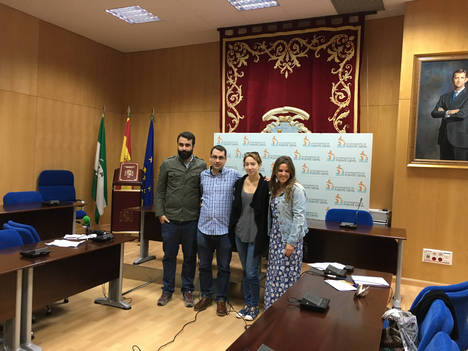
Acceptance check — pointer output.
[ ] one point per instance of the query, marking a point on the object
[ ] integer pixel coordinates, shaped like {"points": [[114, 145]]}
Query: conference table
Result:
{"points": [[49, 221], [36, 282], [349, 324], [374, 247]]}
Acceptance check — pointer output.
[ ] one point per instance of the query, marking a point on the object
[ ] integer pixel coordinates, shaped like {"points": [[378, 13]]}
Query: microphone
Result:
{"points": [[357, 212], [86, 222], [352, 225]]}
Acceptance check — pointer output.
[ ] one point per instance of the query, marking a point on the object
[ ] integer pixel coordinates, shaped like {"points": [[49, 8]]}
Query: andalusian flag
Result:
{"points": [[148, 179], [99, 192], [125, 155]]}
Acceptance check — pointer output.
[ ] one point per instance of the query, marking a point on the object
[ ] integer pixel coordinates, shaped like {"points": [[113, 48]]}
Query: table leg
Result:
{"points": [[143, 243], [11, 328], [26, 312], [397, 297], [114, 298]]}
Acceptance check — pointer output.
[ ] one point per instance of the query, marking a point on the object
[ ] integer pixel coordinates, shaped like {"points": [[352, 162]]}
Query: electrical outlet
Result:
{"points": [[437, 256]]}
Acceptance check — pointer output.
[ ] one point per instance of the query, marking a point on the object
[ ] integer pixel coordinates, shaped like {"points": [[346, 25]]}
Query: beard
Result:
{"points": [[184, 155]]}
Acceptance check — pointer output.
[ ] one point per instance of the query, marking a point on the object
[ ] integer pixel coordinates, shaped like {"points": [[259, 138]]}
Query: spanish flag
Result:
{"points": [[125, 155]]}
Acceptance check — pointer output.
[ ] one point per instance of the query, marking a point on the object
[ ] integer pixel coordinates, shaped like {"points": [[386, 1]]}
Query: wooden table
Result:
{"points": [[10, 304], [371, 247], [349, 323], [49, 221], [65, 272]]}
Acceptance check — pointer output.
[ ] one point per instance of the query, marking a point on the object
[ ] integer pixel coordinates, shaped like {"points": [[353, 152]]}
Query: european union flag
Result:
{"points": [[148, 179]]}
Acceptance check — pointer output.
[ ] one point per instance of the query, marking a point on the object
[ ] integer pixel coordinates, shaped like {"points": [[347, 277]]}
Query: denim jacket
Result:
{"points": [[293, 224]]}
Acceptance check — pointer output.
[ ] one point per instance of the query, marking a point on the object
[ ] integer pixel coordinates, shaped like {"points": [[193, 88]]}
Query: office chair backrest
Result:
{"points": [[438, 318], [25, 234], [57, 185], [28, 227], [441, 342], [9, 238], [22, 198], [347, 215], [444, 288], [459, 300]]}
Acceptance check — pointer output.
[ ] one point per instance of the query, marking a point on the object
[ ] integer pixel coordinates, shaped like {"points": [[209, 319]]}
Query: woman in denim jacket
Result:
{"points": [[288, 226]]}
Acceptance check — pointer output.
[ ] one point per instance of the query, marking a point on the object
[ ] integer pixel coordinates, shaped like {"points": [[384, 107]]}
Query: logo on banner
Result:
{"points": [[274, 141], [338, 200], [247, 141], [307, 170], [268, 155], [238, 153], [339, 171], [298, 156], [331, 156], [363, 157], [329, 185], [362, 188], [220, 140], [341, 142], [306, 141]]}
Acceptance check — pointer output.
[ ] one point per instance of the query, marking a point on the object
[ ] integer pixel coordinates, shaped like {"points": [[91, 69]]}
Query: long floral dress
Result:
{"points": [[282, 271]]}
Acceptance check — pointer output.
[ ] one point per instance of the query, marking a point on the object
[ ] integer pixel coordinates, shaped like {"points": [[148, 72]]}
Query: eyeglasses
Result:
{"points": [[251, 153]]}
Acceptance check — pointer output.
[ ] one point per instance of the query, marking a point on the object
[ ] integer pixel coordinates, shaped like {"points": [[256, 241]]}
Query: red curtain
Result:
{"points": [[315, 69]]}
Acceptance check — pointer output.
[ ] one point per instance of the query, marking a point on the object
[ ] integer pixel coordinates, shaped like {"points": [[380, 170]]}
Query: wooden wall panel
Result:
{"points": [[182, 84], [17, 136], [430, 203], [379, 86], [76, 70], [18, 51]]}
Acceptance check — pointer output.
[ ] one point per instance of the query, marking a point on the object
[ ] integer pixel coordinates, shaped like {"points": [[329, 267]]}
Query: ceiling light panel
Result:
{"points": [[133, 14], [245, 5]]}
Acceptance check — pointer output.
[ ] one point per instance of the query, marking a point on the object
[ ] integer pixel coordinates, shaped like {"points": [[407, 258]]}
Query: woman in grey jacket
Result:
{"points": [[287, 229]]}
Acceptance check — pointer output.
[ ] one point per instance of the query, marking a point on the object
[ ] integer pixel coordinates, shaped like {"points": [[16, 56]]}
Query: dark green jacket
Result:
{"points": [[178, 189]]}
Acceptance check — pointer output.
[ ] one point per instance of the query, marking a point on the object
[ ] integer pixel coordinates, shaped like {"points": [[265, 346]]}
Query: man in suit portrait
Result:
{"points": [[452, 108]]}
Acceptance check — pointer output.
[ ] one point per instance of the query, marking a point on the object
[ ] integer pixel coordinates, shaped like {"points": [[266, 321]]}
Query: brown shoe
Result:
{"points": [[203, 304], [221, 309], [164, 299]]}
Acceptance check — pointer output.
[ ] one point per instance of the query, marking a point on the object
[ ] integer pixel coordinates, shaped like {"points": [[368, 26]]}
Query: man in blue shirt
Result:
{"points": [[217, 185]]}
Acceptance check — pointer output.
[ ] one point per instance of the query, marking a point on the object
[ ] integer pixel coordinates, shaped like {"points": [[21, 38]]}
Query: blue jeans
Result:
{"points": [[174, 234], [206, 246], [250, 272]]}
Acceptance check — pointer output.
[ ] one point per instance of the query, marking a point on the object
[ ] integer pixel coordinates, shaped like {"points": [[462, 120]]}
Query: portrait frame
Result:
{"points": [[432, 78]]}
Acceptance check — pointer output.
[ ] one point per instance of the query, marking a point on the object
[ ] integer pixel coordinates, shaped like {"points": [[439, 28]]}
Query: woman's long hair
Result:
{"points": [[275, 184]]}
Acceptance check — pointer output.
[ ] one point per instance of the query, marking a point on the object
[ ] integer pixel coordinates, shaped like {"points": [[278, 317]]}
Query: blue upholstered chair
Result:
{"points": [[30, 228], [347, 215], [437, 319], [21, 198], [444, 288], [25, 234], [459, 300], [9, 238], [58, 185], [442, 342]]}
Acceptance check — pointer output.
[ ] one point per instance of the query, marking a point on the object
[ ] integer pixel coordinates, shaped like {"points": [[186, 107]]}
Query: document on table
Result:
{"points": [[340, 285], [65, 243], [368, 280], [323, 265], [79, 236]]}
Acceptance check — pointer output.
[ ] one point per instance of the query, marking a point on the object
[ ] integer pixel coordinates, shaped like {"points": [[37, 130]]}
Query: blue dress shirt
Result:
{"points": [[216, 202]]}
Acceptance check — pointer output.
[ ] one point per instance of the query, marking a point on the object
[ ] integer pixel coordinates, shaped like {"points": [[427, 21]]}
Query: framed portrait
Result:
{"points": [[439, 128]]}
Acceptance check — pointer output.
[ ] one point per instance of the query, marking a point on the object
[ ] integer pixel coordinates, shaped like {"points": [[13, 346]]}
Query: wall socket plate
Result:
{"points": [[437, 256]]}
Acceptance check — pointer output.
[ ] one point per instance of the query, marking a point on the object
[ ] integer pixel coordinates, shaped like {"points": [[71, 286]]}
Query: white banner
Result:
{"points": [[335, 169]]}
